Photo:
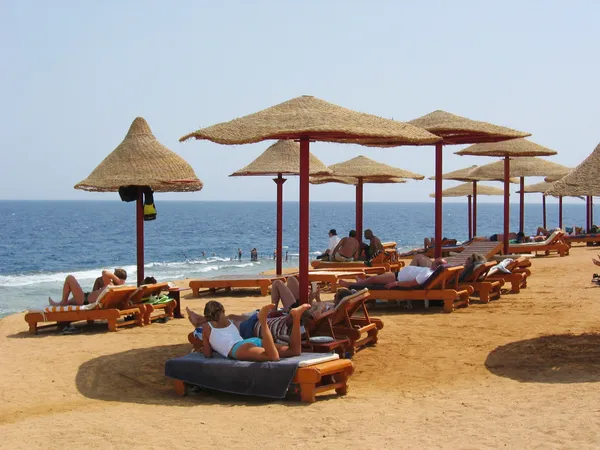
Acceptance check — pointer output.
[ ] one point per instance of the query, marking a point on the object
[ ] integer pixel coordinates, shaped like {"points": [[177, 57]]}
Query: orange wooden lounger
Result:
{"points": [[554, 243], [518, 276], [308, 381], [482, 286], [442, 285], [111, 305], [581, 238], [485, 248], [239, 281], [145, 291]]}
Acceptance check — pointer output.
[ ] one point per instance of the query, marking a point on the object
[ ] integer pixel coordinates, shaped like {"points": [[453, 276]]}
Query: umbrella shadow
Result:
{"points": [[138, 376], [562, 358]]}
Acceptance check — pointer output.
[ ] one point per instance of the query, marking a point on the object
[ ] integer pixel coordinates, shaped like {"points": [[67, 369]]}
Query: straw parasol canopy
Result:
{"points": [[464, 190], [364, 167], [140, 160], [283, 157], [536, 188], [321, 120], [465, 175], [520, 167], [582, 180], [553, 178], [514, 147], [308, 118], [354, 181], [460, 130]]}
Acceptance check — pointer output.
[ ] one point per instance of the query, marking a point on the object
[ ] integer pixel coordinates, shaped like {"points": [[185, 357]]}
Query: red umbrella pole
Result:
{"points": [[139, 226], [591, 211], [506, 202], [522, 205], [587, 214], [544, 210], [279, 181], [304, 220], [474, 208], [469, 216], [359, 209], [560, 212], [438, 200]]}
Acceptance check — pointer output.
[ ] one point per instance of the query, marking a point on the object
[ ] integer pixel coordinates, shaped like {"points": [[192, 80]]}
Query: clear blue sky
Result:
{"points": [[76, 73]]}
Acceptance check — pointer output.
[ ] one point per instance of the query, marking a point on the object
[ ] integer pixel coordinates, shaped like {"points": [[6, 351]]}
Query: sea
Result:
{"points": [[41, 242]]}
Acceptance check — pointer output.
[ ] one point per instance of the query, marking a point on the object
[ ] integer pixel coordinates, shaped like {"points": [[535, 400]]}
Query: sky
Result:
{"points": [[75, 74]]}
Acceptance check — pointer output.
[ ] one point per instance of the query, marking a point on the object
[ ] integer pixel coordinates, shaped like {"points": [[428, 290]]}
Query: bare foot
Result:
{"points": [[195, 318], [52, 302], [264, 312], [297, 312]]}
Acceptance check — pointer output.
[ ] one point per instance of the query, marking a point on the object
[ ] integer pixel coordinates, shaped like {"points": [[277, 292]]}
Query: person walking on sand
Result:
{"points": [[72, 288], [223, 337], [347, 249], [239, 254]]}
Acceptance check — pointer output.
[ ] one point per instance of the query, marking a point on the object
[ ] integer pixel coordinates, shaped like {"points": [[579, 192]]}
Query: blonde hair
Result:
{"points": [[213, 310]]}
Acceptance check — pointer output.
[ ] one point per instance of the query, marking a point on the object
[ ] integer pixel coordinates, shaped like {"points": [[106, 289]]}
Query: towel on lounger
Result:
{"points": [[265, 379], [381, 287]]}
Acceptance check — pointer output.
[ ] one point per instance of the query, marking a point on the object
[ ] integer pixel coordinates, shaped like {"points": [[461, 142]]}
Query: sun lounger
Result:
{"points": [[307, 375], [519, 272], [585, 238], [387, 266], [365, 270], [441, 285], [141, 297], [485, 288], [333, 277], [112, 304], [554, 243], [238, 281], [485, 248]]}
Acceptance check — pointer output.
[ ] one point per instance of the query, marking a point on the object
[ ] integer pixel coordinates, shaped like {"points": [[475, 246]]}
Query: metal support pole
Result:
{"points": [[359, 209], [474, 208], [279, 181], [304, 220], [522, 205], [469, 209], [544, 210], [506, 202], [139, 226], [560, 213], [438, 200]]}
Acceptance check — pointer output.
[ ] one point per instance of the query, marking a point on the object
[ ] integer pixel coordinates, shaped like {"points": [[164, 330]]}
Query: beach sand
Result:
{"points": [[520, 372]]}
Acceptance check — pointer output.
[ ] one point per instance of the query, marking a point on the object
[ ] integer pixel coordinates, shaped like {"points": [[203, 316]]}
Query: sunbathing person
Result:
{"points": [[430, 242], [347, 249], [373, 249], [289, 293], [223, 337], [79, 297], [417, 273]]}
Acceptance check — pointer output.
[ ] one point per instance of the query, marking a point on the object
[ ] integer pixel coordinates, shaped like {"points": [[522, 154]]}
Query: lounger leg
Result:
{"points": [[264, 289], [33, 327], [307, 392], [484, 294], [342, 377], [448, 305], [180, 388], [112, 324]]}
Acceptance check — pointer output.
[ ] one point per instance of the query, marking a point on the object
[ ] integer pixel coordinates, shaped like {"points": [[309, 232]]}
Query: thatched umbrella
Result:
{"points": [[582, 180], [362, 167], [308, 118], [141, 161], [466, 190], [507, 149], [281, 158], [457, 130], [521, 168], [463, 175]]}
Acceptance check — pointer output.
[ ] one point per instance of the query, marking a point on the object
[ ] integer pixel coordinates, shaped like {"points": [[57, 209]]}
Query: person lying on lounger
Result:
{"points": [[417, 273], [79, 297], [223, 336], [289, 293]]}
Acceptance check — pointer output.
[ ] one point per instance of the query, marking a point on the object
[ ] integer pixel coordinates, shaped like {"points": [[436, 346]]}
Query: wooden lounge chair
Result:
{"points": [[581, 238], [519, 272], [361, 330], [554, 243], [112, 304], [141, 295], [332, 277], [387, 266], [485, 248], [309, 380], [240, 281], [487, 289], [441, 285]]}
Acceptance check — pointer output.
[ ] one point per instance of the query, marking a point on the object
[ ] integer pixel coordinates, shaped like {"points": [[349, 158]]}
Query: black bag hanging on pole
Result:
{"points": [[128, 193], [149, 208]]}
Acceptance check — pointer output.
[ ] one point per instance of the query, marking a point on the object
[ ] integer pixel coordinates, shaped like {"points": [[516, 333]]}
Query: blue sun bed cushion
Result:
{"points": [[263, 379]]}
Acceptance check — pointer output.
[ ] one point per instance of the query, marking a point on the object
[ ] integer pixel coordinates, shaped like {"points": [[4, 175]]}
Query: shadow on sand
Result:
{"points": [[138, 376], [562, 358]]}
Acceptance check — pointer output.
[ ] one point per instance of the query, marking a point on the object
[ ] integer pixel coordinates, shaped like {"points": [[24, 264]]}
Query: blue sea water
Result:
{"points": [[43, 241]]}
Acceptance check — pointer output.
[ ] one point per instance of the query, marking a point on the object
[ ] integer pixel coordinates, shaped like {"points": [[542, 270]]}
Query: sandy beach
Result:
{"points": [[519, 372]]}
